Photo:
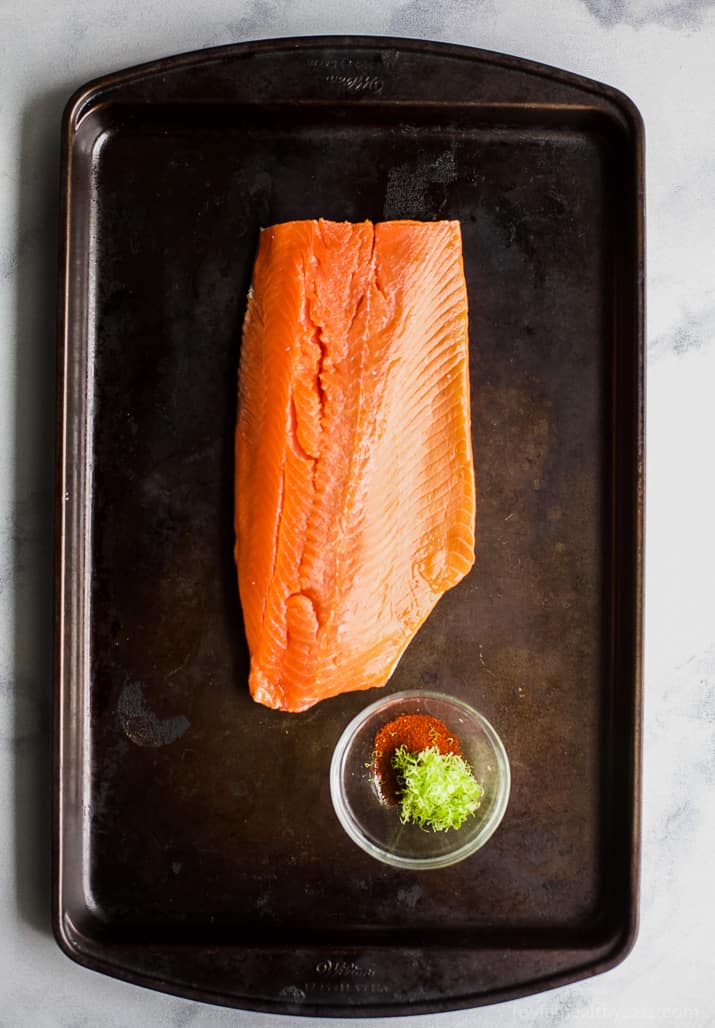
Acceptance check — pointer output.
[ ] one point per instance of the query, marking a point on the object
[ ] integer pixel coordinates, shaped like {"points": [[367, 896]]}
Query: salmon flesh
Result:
{"points": [[354, 493]]}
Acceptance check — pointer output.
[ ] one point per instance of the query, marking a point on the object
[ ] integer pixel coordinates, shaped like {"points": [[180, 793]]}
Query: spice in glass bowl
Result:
{"points": [[418, 764]]}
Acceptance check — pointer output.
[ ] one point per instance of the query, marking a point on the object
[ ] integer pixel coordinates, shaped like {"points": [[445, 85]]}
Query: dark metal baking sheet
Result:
{"points": [[196, 850]]}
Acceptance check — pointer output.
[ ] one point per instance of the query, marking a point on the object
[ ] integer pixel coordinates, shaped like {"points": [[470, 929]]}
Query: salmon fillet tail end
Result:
{"points": [[354, 475]]}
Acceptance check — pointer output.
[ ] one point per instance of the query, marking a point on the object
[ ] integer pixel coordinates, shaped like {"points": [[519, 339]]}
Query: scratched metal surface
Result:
{"points": [[196, 847]]}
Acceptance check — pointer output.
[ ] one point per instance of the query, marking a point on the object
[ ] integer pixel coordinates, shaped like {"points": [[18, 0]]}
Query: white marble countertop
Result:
{"points": [[660, 53]]}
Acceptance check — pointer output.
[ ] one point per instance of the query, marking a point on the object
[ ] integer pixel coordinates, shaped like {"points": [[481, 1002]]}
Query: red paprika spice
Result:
{"points": [[416, 732]]}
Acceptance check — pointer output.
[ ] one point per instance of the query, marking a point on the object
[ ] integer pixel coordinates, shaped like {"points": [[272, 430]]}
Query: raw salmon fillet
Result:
{"points": [[355, 500]]}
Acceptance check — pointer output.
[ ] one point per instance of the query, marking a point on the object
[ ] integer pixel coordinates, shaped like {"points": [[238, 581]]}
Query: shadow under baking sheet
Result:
{"points": [[35, 276]]}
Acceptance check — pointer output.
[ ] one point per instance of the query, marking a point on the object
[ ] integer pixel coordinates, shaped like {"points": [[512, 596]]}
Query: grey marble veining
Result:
{"points": [[660, 53], [675, 14]]}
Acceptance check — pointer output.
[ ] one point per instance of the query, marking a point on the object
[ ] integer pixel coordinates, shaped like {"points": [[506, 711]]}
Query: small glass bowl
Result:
{"points": [[376, 827]]}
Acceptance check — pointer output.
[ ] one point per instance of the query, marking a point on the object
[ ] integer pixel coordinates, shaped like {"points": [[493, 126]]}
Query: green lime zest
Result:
{"points": [[439, 790]]}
